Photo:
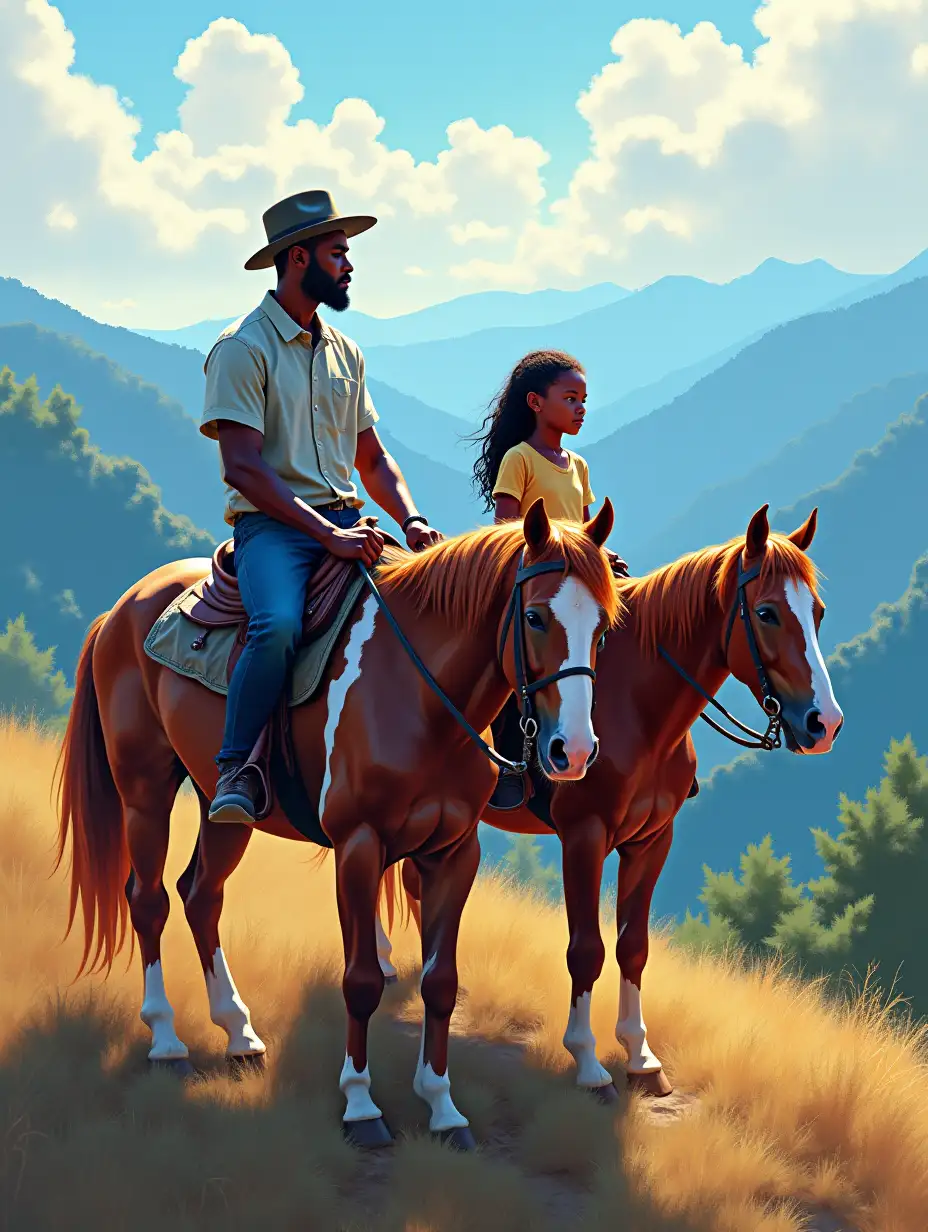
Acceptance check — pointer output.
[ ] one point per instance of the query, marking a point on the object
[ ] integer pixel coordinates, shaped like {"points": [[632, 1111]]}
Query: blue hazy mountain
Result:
{"points": [[880, 679], [739, 416], [821, 453], [128, 418], [177, 373], [672, 324], [452, 319]]}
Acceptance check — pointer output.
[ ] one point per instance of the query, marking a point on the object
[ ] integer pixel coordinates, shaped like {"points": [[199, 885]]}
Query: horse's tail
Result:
{"points": [[90, 812], [392, 894]]}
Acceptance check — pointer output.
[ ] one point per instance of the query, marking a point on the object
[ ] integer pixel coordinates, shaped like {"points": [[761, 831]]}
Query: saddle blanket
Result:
{"points": [[203, 654]]}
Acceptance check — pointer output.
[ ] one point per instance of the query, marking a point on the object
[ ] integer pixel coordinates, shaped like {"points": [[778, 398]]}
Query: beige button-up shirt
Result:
{"points": [[309, 404]]}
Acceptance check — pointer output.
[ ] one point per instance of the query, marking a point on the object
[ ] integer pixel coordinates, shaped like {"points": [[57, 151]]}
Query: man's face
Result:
{"points": [[327, 272]]}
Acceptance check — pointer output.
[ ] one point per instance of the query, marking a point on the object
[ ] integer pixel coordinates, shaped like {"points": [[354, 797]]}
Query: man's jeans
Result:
{"points": [[274, 564]]}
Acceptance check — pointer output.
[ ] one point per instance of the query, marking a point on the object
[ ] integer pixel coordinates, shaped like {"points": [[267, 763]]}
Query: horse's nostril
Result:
{"points": [[838, 729], [814, 725], [557, 754], [592, 757]]}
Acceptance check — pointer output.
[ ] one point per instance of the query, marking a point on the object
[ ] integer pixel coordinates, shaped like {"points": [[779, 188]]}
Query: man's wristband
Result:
{"points": [[414, 517]]}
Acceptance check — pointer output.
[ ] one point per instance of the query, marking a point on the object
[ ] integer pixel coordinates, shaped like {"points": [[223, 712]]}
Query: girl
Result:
{"points": [[521, 459]]}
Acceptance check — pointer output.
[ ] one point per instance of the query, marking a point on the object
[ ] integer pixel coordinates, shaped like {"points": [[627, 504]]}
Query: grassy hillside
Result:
{"points": [[431, 433], [734, 419], [749, 1143], [821, 453], [87, 525], [880, 680], [675, 322]]}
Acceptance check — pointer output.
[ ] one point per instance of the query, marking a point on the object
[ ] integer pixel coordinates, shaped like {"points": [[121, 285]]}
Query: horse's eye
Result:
{"points": [[768, 616], [602, 642], [534, 621]]}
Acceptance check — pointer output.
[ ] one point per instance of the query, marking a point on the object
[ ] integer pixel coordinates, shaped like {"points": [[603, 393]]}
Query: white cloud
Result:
{"points": [[700, 160], [60, 218]]}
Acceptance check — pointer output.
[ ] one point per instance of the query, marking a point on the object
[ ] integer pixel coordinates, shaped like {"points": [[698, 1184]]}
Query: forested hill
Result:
{"points": [[81, 526], [880, 679]]}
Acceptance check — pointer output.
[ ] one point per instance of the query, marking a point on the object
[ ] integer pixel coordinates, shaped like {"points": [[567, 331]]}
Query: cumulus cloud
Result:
{"points": [[700, 159]]}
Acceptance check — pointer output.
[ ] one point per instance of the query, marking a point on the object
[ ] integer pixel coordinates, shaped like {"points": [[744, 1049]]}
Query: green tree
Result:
{"points": [[29, 684], [523, 862]]}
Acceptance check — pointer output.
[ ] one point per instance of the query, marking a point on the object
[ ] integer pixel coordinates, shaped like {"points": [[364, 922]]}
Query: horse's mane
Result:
{"points": [[671, 601], [460, 577]]}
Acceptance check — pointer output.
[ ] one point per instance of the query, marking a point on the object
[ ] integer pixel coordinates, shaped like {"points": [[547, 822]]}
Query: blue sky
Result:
{"points": [[516, 62]]}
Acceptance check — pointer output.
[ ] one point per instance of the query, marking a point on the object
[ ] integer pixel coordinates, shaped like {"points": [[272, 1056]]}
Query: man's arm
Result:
{"points": [[247, 472], [383, 481]]}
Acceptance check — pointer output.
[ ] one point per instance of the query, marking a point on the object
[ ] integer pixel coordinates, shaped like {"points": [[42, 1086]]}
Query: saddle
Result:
{"points": [[215, 602]]}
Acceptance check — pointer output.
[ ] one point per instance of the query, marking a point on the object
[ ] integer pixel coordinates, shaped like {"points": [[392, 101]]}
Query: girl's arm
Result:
{"points": [[507, 509], [586, 513]]}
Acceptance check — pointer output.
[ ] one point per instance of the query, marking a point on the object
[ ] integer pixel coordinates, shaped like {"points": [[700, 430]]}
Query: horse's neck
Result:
{"points": [[700, 655]]}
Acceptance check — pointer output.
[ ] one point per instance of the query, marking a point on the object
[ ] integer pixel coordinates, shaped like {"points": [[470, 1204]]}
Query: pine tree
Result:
{"points": [[523, 862]]}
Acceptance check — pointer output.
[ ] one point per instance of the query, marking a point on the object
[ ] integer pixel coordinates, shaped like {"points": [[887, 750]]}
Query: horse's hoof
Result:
{"points": [[177, 1067], [459, 1139], [390, 979], [367, 1135], [656, 1084], [248, 1063], [606, 1094]]}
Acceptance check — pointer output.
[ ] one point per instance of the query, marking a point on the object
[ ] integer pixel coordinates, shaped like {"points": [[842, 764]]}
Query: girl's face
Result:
{"points": [[562, 408]]}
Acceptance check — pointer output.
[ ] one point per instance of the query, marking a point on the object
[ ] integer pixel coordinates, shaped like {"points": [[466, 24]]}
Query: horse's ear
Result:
{"points": [[806, 532], [536, 527], [600, 528], [757, 534]]}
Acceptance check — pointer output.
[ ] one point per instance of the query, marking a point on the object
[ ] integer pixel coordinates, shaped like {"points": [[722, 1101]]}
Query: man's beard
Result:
{"points": [[321, 287]]}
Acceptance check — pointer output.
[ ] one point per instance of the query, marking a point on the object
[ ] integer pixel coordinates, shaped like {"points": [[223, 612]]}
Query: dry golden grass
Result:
{"points": [[800, 1105]]}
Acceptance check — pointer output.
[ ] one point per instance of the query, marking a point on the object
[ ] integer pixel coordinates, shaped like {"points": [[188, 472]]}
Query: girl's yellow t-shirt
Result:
{"points": [[526, 474]]}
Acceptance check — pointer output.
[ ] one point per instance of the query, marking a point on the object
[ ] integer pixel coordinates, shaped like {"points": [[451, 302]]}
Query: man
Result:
{"points": [[286, 399]]}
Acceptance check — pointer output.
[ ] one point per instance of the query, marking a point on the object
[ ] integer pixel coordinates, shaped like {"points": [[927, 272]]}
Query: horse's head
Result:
{"points": [[564, 612], [785, 613]]}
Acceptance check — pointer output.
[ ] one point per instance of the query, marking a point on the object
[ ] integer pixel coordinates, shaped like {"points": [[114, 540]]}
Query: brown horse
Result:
{"points": [[394, 774], [646, 706]]}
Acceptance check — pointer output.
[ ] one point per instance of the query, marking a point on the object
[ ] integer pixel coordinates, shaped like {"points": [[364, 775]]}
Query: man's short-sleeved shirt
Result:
{"points": [[309, 404]]}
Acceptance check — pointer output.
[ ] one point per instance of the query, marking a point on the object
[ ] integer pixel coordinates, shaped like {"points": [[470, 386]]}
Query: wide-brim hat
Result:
{"points": [[299, 218]]}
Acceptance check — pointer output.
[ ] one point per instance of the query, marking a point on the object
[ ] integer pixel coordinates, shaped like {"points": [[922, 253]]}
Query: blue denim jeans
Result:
{"points": [[274, 564]]}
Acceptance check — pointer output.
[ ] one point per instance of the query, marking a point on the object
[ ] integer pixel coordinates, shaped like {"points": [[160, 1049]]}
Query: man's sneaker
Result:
{"points": [[509, 792], [236, 794]]}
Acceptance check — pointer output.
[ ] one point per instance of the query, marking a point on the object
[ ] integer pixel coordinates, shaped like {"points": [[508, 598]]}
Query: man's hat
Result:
{"points": [[299, 218]]}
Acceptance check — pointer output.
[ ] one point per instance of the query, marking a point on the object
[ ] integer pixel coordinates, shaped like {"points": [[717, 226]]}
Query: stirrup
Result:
{"points": [[505, 778]]}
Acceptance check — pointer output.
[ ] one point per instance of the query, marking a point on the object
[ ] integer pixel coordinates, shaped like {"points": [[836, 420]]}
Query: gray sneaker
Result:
{"points": [[236, 795]]}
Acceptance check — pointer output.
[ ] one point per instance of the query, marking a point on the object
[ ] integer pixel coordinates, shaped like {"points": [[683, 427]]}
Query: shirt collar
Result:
{"points": [[284, 323]]}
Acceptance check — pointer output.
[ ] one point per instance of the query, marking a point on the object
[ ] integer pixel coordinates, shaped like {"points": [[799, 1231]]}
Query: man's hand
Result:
{"points": [[364, 543], [419, 536], [619, 566]]}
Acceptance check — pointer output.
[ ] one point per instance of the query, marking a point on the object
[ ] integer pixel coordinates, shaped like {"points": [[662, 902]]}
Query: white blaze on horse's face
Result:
{"points": [[824, 717], [571, 747]]}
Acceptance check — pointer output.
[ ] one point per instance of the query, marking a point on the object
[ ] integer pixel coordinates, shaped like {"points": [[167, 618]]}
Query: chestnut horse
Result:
{"points": [[393, 772], [681, 623]]}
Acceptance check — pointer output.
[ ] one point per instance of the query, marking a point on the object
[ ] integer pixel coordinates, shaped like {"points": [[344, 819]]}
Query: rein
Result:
{"points": [[771, 738], [526, 690]]}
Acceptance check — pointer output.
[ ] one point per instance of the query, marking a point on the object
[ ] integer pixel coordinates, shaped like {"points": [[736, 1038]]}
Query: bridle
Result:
{"points": [[526, 690], [771, 738]]}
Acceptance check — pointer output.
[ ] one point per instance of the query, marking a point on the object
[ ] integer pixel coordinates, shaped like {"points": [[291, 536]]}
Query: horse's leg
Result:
{"points": [[446, 880], [148, 777], [640, 866], [384, 952], [584, 853], [218, 853], [358, 873]]}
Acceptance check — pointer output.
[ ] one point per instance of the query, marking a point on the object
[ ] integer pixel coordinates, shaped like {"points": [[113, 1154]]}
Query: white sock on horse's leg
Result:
{"points": [[434, 1088], [580, 1042], [631, 1032], [157, 1013], [229, 1011]]}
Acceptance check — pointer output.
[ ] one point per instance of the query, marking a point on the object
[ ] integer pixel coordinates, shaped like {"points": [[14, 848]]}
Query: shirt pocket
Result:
{"points": [[345, 402]]}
